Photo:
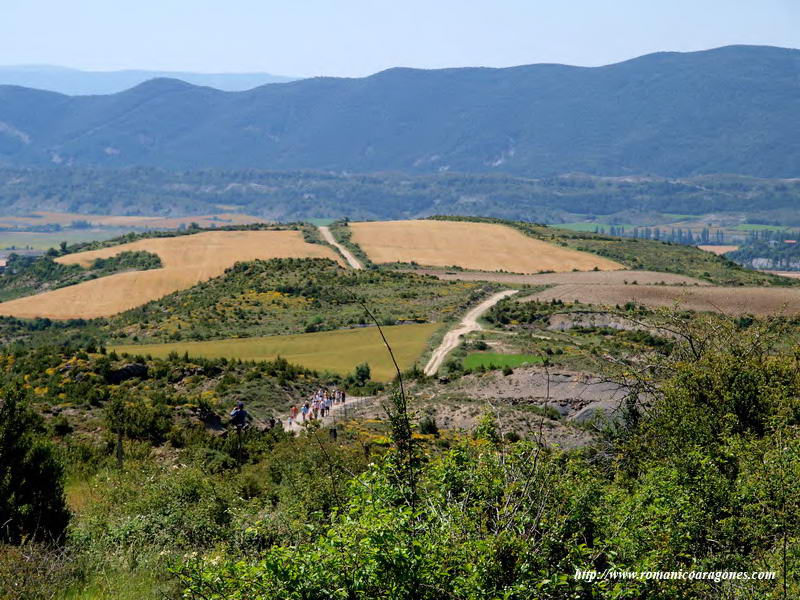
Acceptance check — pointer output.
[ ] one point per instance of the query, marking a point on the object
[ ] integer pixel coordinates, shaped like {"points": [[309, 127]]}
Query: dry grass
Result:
{"points": [[336, 351], [478, 246], [187, 260], [733, 300], [719, 250], [46, 218], [584, 277]]}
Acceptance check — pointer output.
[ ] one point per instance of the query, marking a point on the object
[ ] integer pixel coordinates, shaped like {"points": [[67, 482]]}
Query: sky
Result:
{"points": [[353, 38]]}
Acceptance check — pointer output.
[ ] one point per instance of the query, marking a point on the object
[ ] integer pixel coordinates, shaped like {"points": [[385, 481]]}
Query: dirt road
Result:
{"points": [[328, 237], [468, 324]]}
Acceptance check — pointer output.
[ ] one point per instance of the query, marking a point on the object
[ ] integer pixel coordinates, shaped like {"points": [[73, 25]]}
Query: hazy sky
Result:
{"points": [[359, 37]]}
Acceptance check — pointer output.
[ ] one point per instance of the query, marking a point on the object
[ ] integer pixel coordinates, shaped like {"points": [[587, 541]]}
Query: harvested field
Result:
{"points": [[48, 218], [336, 351], [478, 246], [584, 277], [187, 259], [728, 300], [719, 250]]}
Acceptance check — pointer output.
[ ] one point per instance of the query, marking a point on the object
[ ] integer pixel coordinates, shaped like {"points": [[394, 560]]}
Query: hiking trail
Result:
{"points": [[467, 325], [338, 412], [349, 257]]}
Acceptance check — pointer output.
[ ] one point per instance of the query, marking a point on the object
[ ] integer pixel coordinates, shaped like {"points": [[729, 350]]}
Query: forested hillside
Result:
{"points": [[728, 110]]}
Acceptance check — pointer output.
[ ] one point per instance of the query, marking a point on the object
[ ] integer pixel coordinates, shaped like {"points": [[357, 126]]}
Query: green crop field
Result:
{"points": [[336, 351], [493, 360]]}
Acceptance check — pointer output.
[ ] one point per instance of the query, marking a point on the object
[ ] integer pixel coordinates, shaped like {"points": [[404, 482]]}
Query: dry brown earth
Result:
{"points": [[479, 246], [187, 260], [728, 300]]}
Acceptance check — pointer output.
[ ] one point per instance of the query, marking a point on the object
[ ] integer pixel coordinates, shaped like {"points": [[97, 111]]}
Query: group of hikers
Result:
{"points": [[316, 407]]}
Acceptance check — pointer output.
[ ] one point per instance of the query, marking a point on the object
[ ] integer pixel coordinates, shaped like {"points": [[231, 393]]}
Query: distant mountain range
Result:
{"points": [[75, 82], [730, 110]]}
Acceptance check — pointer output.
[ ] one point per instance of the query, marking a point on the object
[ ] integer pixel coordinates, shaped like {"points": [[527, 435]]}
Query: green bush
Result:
{"points": [[31, 476], [428, 426]]}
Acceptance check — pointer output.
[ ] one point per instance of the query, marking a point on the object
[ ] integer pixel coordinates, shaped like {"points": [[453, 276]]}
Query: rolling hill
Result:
{"points": [[729, 110], [75, 82]]}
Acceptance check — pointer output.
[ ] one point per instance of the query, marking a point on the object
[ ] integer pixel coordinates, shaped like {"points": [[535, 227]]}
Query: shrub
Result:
{"points": [[31, 477], [428, 426]]}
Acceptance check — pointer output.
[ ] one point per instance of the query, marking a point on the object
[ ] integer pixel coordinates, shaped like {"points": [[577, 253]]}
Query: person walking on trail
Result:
{"points": [[305, 410], [292, 414], [240, 418]]}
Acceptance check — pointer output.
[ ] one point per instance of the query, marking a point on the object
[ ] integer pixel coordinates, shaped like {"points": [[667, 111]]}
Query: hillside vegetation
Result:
{"points": [[144, 488], [727, 110], [285, 296]]}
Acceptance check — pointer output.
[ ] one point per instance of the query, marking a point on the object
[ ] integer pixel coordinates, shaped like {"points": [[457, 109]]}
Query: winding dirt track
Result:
{"points": [[328, 237], [468, 324]]}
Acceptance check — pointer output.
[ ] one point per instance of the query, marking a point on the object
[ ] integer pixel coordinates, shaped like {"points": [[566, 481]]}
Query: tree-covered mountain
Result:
{"points": [[733, 110], [76, 82]]}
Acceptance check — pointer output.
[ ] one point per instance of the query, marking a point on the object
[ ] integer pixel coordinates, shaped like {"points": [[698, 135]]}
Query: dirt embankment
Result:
{"points": [[517, 402]]}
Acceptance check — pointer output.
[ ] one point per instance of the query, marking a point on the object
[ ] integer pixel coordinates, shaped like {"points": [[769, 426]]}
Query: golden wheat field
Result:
{"points": [[187, 260], [478, 246], [728, 300]]}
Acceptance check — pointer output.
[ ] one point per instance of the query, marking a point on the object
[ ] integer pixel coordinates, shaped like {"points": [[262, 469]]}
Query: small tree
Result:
{"points": [[362, 374], [31, 476]]}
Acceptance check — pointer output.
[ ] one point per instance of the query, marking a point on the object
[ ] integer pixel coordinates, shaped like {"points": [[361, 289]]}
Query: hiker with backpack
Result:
{"points": [[240, 418]]}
